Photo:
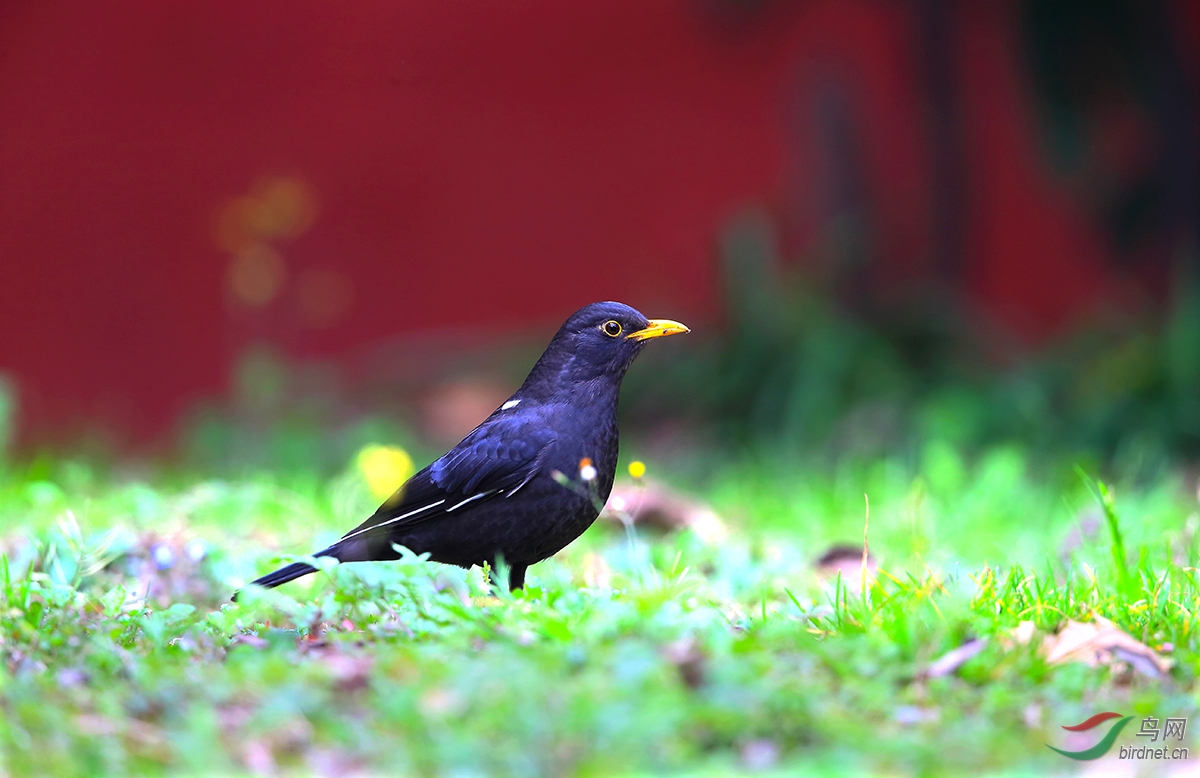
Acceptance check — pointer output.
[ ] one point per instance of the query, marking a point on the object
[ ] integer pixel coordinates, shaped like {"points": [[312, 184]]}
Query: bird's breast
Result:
{"points": [[586, 439]]}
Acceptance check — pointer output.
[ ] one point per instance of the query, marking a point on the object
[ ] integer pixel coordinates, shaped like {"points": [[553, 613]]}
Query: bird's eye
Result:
{"points": [[612, 328]]}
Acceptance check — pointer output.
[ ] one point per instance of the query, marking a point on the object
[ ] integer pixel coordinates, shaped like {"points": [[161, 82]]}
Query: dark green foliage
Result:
{"points": [[796, 367]]}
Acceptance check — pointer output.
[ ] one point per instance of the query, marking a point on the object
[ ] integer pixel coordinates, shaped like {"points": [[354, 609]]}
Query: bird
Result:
{"points": [[532, 477]]}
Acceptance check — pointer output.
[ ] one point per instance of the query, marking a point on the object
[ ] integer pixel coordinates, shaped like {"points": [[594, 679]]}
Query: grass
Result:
{"points": [[638, 654]]}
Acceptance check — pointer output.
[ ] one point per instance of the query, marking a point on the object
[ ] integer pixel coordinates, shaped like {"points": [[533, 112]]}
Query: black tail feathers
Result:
{"points": [[355, 550], [282, 576], [285, 574]]}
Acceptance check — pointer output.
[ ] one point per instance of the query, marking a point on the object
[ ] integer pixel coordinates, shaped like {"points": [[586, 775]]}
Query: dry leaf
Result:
{"points": [[689, 659], [847, 560], [257, 756], [950, 661], [760, 755], [350, 673], [247, 639], [648, 504], [1022, 634], [1097, 643], [1102, 642], [912, 715], [596, 572]]}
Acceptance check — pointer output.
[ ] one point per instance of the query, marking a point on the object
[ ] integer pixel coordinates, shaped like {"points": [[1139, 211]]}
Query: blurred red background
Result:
{"points": [[178, 181]]}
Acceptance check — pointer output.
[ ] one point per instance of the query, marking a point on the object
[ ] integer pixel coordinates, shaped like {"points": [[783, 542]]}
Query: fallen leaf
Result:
{"points": [[649, 504], [350, 672], [760, 754], [1097, 643], [1023, 633], [847, 560], [1102, 642], [911, 715], [440, 703], [596, 572], [691, 662], [950, 661], [257, 756]]}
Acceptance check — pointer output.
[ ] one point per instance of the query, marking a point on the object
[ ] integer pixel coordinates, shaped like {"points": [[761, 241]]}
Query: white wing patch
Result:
{"points": [[510, 405], [393, 520], [473, 498]]}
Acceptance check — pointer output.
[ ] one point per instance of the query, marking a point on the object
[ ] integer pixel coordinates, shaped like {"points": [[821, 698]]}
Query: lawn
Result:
{"points": [[636, 651]]}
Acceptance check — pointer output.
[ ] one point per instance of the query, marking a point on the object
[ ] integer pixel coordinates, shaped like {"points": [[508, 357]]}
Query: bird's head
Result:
{"points": [[600, 340]]}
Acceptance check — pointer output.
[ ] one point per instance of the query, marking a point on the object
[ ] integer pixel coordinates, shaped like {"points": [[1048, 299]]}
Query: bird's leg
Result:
{"points": [[516, 577]]}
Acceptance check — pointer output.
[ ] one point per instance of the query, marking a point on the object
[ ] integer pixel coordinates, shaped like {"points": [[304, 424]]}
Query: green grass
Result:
{"points": [[641, 655]]}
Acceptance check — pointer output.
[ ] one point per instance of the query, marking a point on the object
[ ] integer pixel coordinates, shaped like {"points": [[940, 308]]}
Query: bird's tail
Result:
{"points": [[280, 576], [342, 551], [284, 574]]}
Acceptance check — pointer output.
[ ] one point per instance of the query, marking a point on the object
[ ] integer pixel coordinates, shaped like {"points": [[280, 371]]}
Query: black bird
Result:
{"points": [[529, 479]]}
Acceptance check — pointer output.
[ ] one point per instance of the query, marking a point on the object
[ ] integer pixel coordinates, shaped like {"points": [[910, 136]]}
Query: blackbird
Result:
{"points": [[529, 479]]}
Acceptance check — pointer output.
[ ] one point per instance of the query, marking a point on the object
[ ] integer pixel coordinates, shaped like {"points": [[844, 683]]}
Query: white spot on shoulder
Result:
{"points": [[510, 404]]}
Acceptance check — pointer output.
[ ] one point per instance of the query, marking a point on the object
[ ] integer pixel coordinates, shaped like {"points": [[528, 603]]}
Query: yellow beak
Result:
{"points": [[658, 328]]}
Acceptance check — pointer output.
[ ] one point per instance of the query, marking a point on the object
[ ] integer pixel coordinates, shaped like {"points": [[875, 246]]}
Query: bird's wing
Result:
{"points": [[497, 457], [502, 453]]}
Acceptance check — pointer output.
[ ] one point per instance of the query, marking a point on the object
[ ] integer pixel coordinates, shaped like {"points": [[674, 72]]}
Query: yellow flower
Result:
{"points": [[384, 468], [637, 468]]}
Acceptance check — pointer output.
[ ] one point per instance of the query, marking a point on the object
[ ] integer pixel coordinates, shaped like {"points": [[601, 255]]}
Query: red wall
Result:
{"points": [[445, 165]]}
